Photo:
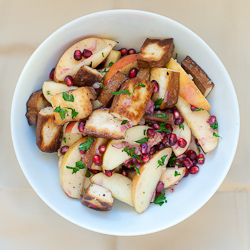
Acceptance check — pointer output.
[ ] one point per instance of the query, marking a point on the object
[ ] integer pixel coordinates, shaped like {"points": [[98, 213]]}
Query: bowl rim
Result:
{"points": [[103, 231]]}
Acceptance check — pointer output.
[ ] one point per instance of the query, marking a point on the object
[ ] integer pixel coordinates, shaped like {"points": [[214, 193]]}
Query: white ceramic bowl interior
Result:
{"points": [[130, 28]]}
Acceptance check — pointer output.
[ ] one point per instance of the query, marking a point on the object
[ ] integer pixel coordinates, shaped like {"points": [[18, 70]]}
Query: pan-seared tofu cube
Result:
{"points": [[131, 105], [168, 81], [73, 105], [48, 133], [155, 53], [102, 124], [98, 198]]}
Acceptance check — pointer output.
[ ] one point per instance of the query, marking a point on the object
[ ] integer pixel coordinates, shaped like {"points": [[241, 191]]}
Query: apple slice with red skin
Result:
{"points": [[72, 127]]}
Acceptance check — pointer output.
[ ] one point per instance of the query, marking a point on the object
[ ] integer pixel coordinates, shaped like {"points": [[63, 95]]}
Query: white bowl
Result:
{"points": [[130, 28]]}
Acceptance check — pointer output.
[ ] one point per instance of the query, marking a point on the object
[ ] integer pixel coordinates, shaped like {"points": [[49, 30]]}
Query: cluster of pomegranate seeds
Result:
{"points": [[102, 149], [212, 119], [178, 118], [133, 73], [52, 74], [69, 80], [151, 133], [97, 160], [156, 87], [125, 52], [64, 149], [182, 143], [81, 126], [108, 173]]}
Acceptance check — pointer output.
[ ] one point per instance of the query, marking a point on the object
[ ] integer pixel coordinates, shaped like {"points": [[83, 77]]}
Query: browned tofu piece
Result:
{"points": [[159, 116], [102, 124], [132, 106], [89, 155], [200, 78], [86, 76], [35, 103], [48, 133], [98, 198], [79, 107], [143, 74], [113, 85], [169, 83], [155, 53]]}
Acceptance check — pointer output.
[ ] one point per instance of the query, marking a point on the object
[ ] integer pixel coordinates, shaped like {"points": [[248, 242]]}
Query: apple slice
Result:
{"points": [[112, 58], [118, 184], [188, 89], [72, 183], [181, 132], [136, 133], [124, 65], [113, 156], [144, 185], [172, 175], [52, 88], [67, 65], [197, 121]]}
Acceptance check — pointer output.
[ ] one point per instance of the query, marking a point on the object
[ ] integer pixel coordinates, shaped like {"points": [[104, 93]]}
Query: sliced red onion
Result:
{"points": [[96, 85], [203, 141], [181, 157], [123, 127], [171, 190], [118, 145], [176, 183], [93, 46], [150, 106], [153, 196]]}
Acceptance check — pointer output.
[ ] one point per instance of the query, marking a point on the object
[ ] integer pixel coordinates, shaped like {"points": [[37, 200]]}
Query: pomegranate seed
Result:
{"points": [[124, 51], [69, 80], [131, 51], [186, 173], [132, 161], [151, 133], [145, 158], [187, 163], [159, 146], [144, 147], [156, 87], [191, 155], [194, 162], [78, 55], [201, 159], [172, 139], [169, 128], [182, 143], [64, 149], [138, 161], [86, 53], [81, 126], [108, 173], [176, 114], [179, 120], [52, 74], [212, 119], [193, 108], [82, 151], [197, 142], [182, 157], [194, 170], [125, 173], [156, 126], [97, 160], [132, 73], [102, 149], [160, 187], [152, 150], [164, 140]]}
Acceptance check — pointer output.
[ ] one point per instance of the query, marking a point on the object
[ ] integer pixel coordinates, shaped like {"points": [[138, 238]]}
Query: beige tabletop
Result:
{"points": [[26, 222]]}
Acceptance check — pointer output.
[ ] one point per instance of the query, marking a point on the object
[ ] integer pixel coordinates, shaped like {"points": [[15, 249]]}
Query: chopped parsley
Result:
{"points": [[162, 115], [176, 56], [137, 170], [79, 165], [61, 112], [87, 175], [216, 135], [131, 153], [140, 84], [110, 64], [159, 200], [162, 161], [196, 109], [48, 92], [104, 77], [214, 125], [158, 102], [102, 54], [101, 85], [124, 122], [162, 128], [143, 140], [117, 41], [172, 160], [86, 145], [181, 126], [67, 97], [144, 131], [121, 92], [105, 71], [73, 112], [176, 173], [64, 139]]}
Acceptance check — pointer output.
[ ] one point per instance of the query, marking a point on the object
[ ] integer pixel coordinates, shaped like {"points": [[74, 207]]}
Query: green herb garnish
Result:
{"points": [[101, 85], [79, 165], [64, 139], [121, 92], [162, 115], [216, 135], [176, 55], [196, 109], [102, 54], [87, 175], [67, 97], [110, 64], [158, 102], [137, 170], [143, 140], [48, 92], [105, 71], [176, 173], [172, 160], [162, 128], [214, 125], [181, 126], [140, 84], [86, 145], [61, 112], [162, 161], [159, 200], [131, 153], [73, 112], [124, 122], [144, 131]]}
